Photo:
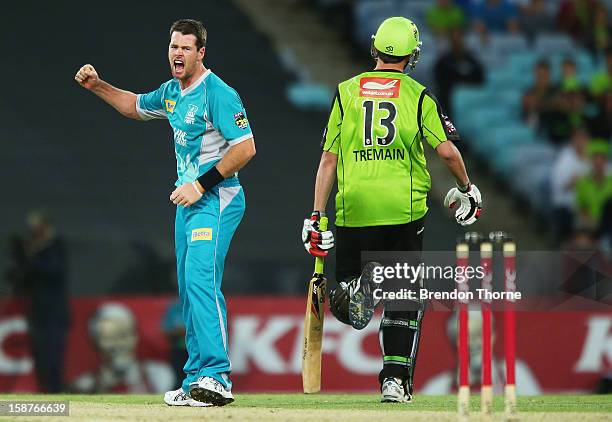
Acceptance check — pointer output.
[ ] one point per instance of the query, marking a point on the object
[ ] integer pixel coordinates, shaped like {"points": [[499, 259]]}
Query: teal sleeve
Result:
{"points": [[229, 116], [151, 105]]}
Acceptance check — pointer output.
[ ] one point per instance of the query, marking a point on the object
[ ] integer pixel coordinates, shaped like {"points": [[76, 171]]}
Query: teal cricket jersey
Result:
{"points": [[207, 118]]}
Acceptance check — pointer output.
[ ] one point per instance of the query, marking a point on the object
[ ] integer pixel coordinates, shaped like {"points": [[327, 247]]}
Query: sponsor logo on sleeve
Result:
{"points": [[241, 120], [170, 106], [201, 234], [450, 127], [379, 87]]}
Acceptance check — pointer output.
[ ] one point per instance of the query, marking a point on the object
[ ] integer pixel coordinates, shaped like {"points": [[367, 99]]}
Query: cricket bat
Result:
{"points": [[313, 326]]}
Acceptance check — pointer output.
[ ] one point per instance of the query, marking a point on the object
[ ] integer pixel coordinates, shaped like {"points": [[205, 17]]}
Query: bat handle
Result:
{"points": [[319, 259]]}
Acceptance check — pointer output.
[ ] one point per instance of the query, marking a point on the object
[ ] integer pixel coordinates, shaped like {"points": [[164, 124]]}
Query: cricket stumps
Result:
{"points": [[487, 245]]}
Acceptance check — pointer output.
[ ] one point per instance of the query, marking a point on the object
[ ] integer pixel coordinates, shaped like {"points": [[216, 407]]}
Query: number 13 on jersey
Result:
{"points": [[379, 119]]}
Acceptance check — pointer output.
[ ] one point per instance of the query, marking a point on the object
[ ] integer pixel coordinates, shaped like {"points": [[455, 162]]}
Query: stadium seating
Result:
{"points": [[368, 16], [309, 96], [554, 42], [489, 116]]}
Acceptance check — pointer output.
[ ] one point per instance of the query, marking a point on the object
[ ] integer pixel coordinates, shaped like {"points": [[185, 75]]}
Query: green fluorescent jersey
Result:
{"points": [[376, 127]]}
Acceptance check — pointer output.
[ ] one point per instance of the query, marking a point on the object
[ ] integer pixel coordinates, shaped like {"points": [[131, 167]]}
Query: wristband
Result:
{"points": [[464, 188], [211, 178]]}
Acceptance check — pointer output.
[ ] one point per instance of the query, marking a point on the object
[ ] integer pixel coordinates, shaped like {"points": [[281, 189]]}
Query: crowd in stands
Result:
{"points": [[571, 112], [529, 85], [587, 21]]}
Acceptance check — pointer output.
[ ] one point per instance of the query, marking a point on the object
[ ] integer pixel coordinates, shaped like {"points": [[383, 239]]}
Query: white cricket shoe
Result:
{"points": [[394, 391], [179, 398], [209, 390]]}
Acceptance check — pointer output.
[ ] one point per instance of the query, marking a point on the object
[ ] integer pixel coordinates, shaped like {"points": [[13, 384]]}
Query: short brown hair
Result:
{"points": [[191, 27], [387, 59]]}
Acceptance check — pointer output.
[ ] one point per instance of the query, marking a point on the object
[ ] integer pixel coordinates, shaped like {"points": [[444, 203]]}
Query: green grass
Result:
{"points": [[546, 404]]}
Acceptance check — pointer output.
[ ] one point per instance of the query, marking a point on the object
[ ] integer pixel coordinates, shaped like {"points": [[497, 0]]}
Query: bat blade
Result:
{"points": [[313, 334]]}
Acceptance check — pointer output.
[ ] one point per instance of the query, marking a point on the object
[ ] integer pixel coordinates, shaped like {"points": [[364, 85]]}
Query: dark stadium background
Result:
{"points": [[105, 180]]}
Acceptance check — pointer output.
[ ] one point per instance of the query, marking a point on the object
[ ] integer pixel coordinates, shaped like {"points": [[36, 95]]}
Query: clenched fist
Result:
{"points": [[87, 77]]}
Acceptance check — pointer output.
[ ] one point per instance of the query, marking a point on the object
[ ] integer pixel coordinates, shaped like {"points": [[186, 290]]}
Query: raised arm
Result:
{"points": [[122, 101]]}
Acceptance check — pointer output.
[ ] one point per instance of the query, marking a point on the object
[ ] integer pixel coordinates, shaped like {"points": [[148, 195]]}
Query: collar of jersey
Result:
{"points": [[195, 84], [386, 70]]}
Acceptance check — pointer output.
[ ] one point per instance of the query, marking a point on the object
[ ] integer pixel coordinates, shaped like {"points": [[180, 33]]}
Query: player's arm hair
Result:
{"points": [[451, 157], [122, 101], [236, 158], [326, 176]]}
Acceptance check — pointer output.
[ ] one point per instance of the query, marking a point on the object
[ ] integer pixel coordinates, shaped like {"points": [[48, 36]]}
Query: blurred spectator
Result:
{"points": [[495, 16], [602, 81], [534, 19], [601, 124], [457, 66], [569, 76], [570, 105], [600, 40], [574, 111], [174, 329], [594, 189], [570, 165], [114, 332], [575, 17], [444, 16], [538, 101], [39, 274]]}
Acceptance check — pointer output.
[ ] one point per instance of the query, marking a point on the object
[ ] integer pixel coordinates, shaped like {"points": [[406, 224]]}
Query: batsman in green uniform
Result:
{"points": [[374, 145]]}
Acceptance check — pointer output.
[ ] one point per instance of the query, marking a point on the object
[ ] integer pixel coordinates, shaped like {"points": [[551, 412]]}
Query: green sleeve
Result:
{"points": [[599, 83], [331, 134], [581, 195], [437, 127]]}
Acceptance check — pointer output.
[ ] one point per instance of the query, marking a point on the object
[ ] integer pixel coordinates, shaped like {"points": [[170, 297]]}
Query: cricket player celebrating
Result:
{"points": [[212, 141], [373, 145]]}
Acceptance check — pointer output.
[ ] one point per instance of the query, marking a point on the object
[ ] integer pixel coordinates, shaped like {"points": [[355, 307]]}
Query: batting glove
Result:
{"points": [[316, 242], [470, 204]]}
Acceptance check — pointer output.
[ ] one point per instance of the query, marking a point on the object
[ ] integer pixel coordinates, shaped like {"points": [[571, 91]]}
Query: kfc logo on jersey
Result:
{"points": [[379, 87]]}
